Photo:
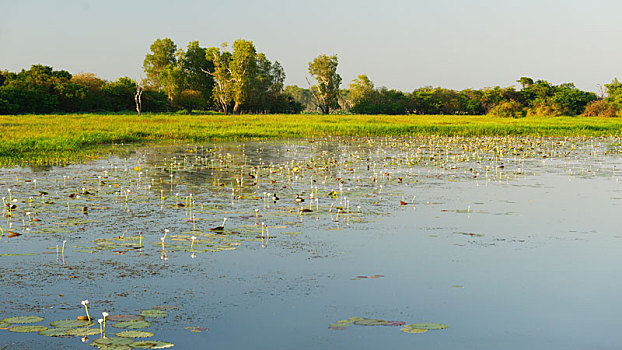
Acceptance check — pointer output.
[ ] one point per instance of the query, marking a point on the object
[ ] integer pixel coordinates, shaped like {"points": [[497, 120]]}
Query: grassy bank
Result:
{"points": [[59, 138]]}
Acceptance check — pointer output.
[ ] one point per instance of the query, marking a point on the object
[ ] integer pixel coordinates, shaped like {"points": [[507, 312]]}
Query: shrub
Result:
{"points": [[602, 108], [508, 109]]}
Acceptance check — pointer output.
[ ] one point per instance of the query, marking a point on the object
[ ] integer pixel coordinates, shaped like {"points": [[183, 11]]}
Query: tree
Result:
{"points": [[324, 70], [171, 80], [162, 55], [525, 82], [194, 64], [223, 84], [361, 88], [242, 68]]}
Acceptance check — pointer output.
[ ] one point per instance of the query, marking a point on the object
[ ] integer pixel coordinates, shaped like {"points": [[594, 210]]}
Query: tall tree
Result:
{"points": [[223, 84], [195, 61], [361, 88], [162, 55], [243, 68], [324, 70]]}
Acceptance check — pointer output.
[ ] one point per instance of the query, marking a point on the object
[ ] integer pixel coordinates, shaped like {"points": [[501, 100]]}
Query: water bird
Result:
{"points": [[275, 198], [219, 228], [299, 199]]}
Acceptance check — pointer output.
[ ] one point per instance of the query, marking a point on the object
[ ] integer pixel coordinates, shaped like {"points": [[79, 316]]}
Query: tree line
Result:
{"points": [[238, 79]]}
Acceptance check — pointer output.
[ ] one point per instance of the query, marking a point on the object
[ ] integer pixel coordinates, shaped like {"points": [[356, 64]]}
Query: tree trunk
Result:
{"points": [[236, 108]]}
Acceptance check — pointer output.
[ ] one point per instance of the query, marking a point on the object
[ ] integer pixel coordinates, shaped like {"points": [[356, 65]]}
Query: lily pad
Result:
{"points": [[115, 341], [70, 323], [152, 345], [120, 318], [151, 313], [4, 325], [426, 326], [23, 319], [114, 347], [82, 332], [413, 330], [132, 324], [27, 329], [370, 322], [134, 334], [55, 332]]}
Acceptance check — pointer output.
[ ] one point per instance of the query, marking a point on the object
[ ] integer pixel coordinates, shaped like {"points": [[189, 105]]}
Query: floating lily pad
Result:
{"points": [[152, 345], [23, 319], [336, 327], [196, 329], [82, 332], [70, 323], [395, 323], [151, 313], [427, 326], [120, 318], [345, 322], [27, 329], [55, 332], [134, 334], [413, 330], [132, 324], [114, 347], [114, 341], [4, 325], [370, 322]]}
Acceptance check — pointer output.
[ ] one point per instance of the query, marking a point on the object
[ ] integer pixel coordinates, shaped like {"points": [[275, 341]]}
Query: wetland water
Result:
{"points": [[510, 243]]}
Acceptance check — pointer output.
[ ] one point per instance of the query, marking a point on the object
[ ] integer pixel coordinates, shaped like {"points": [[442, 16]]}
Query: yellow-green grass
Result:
{"points": [[62, 138]]}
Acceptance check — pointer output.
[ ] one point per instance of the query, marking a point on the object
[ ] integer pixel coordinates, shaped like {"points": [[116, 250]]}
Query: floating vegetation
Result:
{"points": [[71, 323], [365, 277], [4, 325], [23, 319], [151, 313], [370, 322], [152, 345], [27, 329], [112, 341], [82, 332], [428, 326], [197, 329], [134, 334], [55, 332]]}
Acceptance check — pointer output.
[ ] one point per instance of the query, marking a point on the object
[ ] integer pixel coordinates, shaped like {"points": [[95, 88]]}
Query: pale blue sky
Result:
{"points": [[398, 43]]}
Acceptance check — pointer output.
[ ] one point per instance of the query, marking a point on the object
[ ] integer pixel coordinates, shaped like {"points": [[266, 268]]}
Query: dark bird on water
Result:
{"points": [[219, 228]]}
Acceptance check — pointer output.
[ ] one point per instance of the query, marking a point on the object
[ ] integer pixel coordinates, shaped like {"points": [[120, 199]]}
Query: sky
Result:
{"points": [[400, 44]]}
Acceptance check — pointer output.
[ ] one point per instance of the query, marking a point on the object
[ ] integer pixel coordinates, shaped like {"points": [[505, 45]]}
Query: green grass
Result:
{"points": [[53, 139]]}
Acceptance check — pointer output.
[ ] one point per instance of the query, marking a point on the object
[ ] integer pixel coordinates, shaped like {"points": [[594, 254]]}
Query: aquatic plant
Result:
{"points": [[86, 308]]}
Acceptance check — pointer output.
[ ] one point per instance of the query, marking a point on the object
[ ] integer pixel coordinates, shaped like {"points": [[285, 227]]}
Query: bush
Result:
{"points": [[508, 109], [602, 108]]}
